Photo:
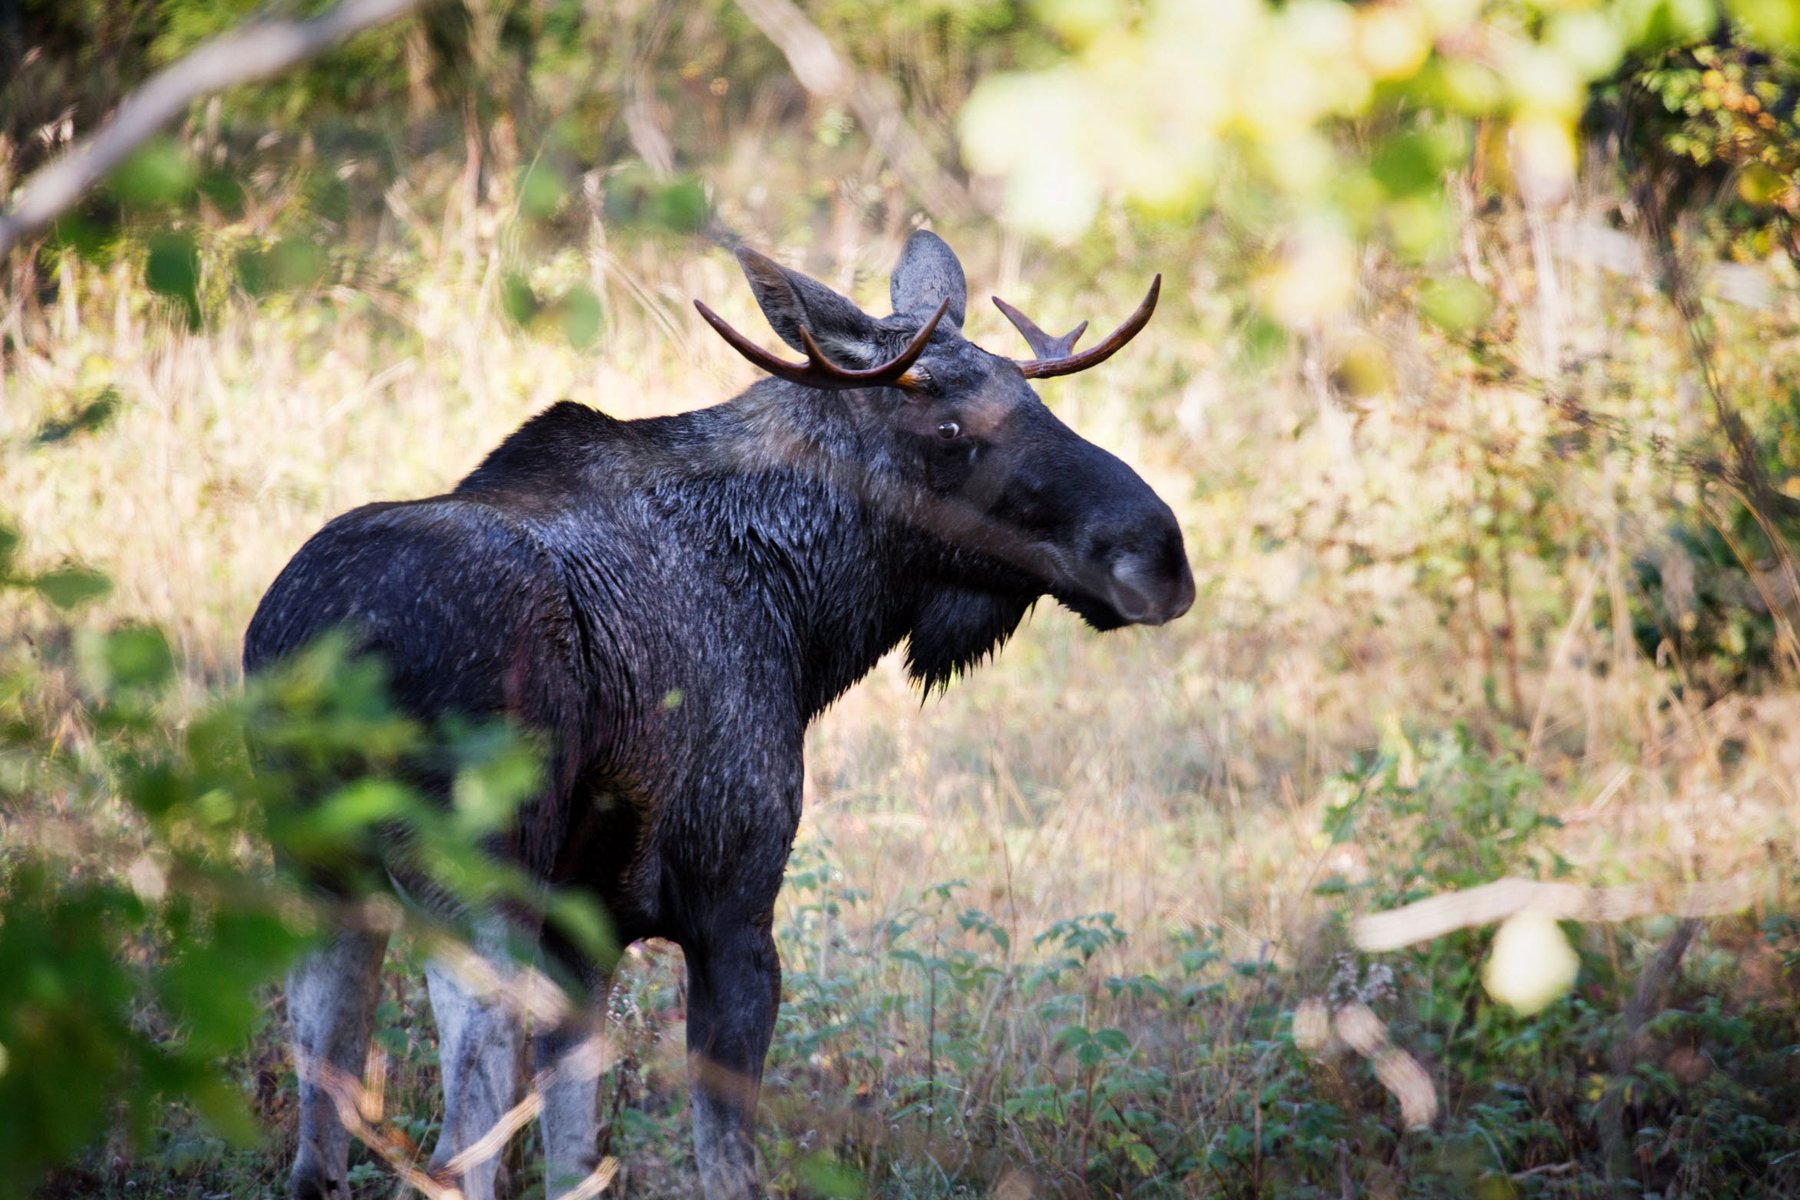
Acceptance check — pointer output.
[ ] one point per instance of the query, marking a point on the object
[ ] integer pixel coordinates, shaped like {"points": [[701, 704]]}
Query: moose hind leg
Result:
{"points": [[331, 1012], [734, 984], [570, 1060], [479, 1039]]}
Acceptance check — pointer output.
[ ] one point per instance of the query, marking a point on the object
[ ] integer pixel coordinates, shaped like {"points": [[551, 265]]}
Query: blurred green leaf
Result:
{"points": [[9, 542], [637, 198], [824, 1177], [137, 658], [1263, 339], [581, 318], [329, 197], [500, 770], [294, 262], [89, 416], [223, 191], [1455, 303], [580, 918], [159, 173], [518, 300], [1774, 22], [1407, 163], [173, 270], [68, 587], [681, 207], [541, 191], [252, 269], [89, 235]]}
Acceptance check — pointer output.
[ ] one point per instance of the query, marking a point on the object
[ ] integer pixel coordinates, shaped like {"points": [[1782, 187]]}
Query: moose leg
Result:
{"points": [[734, 984], [331, 1009], [571, 1058], [478, 1051]]}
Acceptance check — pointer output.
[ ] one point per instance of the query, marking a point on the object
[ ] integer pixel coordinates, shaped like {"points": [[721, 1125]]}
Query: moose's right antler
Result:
{"points": [[1056, 355], [818, 371]]}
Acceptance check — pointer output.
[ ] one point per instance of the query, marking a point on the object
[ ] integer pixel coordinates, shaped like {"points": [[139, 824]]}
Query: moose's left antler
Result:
{"points": [[818, 371], [1056, 355]]}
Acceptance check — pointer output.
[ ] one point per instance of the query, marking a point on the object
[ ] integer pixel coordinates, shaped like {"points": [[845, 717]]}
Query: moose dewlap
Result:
{"points": [[900, 484]]}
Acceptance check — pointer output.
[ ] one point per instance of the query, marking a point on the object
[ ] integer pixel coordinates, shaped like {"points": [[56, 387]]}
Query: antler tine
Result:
{"points": [[1042, 344], [1066, 362], [818, 371]]}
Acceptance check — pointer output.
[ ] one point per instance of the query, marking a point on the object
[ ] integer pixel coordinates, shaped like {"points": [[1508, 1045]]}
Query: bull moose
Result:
{"points": [[749, 561]]}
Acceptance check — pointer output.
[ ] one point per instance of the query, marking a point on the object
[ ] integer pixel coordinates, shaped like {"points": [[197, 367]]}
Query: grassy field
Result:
{"points": [[1049, 934]]}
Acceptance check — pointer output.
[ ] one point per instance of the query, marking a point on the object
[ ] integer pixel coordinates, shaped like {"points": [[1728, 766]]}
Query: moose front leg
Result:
{"points": [[734, 984]]}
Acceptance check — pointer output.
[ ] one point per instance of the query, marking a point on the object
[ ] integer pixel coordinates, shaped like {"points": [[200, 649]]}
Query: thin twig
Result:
{"points": [[253, 51]]}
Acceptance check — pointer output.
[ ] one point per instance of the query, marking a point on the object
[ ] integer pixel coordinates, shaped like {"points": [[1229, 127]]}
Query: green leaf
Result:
{"points": [[1114, 1040], [68, 587], [359, 805], [252, 268], [541, 191], [173, 270], [92, 237], [580, 312], [223, 191], [137, 657], [1774, 23], [159, 173], [90, 415], [823, 1176], [681, 207], [1407, 163], [518, 300], [580, 919], [295, 262], [1455, 303]]}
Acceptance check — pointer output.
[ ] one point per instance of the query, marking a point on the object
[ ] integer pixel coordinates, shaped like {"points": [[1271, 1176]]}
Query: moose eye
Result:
{"points": [[949, 431]]}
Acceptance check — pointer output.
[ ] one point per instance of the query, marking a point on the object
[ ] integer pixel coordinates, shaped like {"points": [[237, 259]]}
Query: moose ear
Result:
{"points": [[791, 301], [927, 275]]}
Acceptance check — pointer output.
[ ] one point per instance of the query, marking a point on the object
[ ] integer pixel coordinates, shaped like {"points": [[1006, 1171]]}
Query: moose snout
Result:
{"points": [[1149, 585]]}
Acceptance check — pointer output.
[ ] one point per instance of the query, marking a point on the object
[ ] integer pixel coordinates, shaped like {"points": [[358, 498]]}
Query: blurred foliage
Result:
{"points": [[1712, 125], [140, 914]]}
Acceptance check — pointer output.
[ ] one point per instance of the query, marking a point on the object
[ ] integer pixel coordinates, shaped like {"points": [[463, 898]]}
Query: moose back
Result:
{"points": [[754, 559]]}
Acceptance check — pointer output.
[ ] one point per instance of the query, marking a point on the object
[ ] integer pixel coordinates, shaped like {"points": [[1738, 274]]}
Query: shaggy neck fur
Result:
{"points": [[796, 496]]}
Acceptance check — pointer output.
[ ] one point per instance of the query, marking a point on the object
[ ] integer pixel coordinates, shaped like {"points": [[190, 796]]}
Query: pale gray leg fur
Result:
{"points": [[478, 1051], [331, 1011], [723, 1148], [572, 1059]]}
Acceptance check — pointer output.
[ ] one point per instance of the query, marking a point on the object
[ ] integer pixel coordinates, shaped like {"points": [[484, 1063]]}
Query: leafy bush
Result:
{"points": [[141, 914]]}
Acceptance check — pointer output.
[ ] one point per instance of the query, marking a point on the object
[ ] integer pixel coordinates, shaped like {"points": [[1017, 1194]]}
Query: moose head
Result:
{"points": [[1019, 504]]}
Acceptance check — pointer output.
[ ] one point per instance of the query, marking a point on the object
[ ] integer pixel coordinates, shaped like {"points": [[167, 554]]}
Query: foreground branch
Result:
{"points": [[254, 51], [1491, 902]]}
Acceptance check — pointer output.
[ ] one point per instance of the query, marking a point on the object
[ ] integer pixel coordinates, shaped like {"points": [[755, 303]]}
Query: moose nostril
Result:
{"points": [[1184, 599], [1152, 587]]}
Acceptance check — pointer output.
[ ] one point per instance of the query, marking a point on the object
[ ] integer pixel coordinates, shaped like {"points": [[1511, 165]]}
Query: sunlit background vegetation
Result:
{"points": [[1476, 387]]}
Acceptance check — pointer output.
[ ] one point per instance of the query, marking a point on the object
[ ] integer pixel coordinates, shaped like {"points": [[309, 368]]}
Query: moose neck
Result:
{"points": [[804, 485]]}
